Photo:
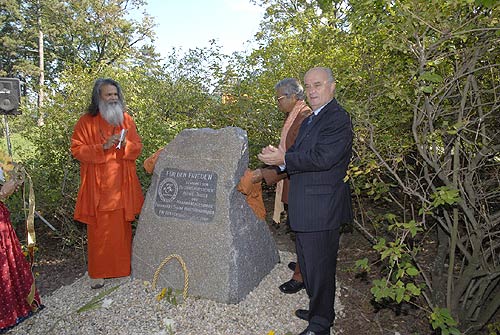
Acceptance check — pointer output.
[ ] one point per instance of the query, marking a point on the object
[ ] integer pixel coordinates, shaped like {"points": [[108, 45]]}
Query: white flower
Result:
{"points": [[169, 323]]}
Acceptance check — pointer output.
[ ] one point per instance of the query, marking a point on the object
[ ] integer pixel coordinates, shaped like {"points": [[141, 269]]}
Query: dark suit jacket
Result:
{"points": [[317, 162], [273, 174]]}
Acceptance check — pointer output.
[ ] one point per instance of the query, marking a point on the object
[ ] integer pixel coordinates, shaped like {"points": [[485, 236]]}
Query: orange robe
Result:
{"points": [[150, 162], [110, 194], [253, 193]]}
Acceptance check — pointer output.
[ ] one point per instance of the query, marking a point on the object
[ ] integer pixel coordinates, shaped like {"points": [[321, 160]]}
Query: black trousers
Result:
{"points": [[317, 257]]}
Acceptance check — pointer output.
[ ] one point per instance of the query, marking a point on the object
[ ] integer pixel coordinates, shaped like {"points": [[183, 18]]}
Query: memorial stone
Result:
{"points": [[193, 209]]}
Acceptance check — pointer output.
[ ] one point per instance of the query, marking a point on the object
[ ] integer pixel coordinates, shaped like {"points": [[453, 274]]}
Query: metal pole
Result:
{"points": [[7, 134]]}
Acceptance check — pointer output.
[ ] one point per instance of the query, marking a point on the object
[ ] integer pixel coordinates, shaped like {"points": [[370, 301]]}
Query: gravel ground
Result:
{"points": [[133, 308]]}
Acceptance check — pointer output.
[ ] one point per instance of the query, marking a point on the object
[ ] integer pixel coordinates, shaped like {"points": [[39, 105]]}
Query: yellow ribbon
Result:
{"points": [[30, 220], [31, 238]]}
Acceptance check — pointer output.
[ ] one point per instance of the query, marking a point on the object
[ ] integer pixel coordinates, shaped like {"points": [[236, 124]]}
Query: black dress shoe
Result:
{"points": [[310, 332], [302, 314], [292, 266], [291, 286]]}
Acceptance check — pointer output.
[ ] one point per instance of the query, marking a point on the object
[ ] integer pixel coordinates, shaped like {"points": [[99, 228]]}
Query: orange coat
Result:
{"points": [[150, 162], [253, 193], [108, 179]]}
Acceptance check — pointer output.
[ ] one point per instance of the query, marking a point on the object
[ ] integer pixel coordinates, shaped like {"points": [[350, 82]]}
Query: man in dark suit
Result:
{"points": [[319, 200]]}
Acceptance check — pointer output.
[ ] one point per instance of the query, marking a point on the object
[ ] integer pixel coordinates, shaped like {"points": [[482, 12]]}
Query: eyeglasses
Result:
{"points": [[281, 97]]}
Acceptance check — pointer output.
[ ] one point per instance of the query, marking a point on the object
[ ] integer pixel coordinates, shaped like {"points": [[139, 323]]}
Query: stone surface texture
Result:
{"points": [[226, 253]]}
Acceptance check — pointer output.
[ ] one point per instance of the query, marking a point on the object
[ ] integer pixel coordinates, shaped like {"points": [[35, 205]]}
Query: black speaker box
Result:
{"points": [[10, 93]]}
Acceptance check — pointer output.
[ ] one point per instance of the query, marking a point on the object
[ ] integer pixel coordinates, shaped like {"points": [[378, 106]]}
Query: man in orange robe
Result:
{"points": [[106, 142]]}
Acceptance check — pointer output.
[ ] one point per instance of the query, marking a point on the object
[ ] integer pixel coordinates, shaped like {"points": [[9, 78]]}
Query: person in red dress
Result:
{"points": [[19, 298]]}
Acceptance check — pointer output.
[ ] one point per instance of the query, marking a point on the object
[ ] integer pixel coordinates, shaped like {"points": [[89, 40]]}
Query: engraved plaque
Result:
{"points": [[185, 194]]}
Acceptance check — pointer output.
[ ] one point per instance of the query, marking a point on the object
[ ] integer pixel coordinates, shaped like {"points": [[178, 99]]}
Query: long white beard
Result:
{"points": [[112, 112]]}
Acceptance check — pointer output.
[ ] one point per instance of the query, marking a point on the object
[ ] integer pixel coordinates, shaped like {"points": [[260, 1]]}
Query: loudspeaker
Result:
{"points": [[10, 93]]}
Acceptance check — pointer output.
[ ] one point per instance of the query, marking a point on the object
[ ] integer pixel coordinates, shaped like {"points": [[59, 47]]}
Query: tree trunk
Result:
{"points": [[438, 272], [41, 66]]}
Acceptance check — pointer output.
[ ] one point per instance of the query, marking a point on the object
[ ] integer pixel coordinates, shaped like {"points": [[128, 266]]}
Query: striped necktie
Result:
{"points": [[310, 118]]}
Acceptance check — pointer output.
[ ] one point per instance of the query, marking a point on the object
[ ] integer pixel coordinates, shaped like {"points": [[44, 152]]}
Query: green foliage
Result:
{"points": [[363, 264], [397, 291], [22, 151], [433, 55], [493, 328], [441, 319], [445, 195], [84, 33], [169, 295], [364, 173], [428, 79], [96, 302], [419, 79], [400, 283]]}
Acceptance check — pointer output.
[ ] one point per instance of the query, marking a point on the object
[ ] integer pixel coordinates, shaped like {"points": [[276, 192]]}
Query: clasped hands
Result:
{"points": [[113, 141], [271, 155]]}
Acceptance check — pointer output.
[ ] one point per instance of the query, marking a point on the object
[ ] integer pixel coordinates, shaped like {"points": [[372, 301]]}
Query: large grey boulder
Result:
{"points": [[193, 209]]}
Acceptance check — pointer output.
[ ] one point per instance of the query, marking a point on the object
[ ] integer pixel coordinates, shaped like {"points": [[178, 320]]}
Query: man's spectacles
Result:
{"points": [[281, 97]]}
